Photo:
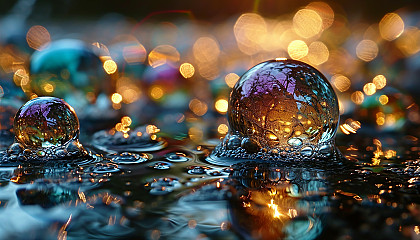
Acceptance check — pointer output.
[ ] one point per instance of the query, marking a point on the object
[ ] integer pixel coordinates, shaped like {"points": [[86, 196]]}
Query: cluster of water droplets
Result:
{"points": [[280, 110], [135, 140]]}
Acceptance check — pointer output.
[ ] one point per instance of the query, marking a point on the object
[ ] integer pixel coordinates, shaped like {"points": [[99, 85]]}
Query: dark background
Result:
{"points": [[209, 10]]}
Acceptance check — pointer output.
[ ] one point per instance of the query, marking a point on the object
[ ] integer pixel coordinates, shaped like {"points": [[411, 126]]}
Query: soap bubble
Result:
{"points": [[280, 109], [68, 69], [45, 122]]}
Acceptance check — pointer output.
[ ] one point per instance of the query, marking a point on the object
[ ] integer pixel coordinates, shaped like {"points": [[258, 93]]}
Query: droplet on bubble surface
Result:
{"points": [[45, 122], [279, 110]]}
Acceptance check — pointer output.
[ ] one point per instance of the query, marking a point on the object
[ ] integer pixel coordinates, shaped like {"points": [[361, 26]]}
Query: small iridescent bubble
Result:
{"points": [[46, 128], [45, 122], [279, 110]]}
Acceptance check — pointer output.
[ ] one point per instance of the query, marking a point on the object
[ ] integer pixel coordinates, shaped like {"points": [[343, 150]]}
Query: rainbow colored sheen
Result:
{"points": [[284, 103], [45, 122]]}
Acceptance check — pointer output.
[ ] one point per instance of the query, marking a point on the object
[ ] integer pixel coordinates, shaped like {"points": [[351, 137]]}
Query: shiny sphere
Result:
{"points": [[284, 103], [45, 122], [68, 69]]}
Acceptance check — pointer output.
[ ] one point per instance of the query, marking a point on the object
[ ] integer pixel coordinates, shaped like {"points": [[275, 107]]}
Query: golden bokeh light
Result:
{"points": [[231, 79], [383, 99], [324, 11], [341, 82], [297, 49], [379, 81], [390, 154], [380, 121], [221, 105], [274, 39], [409, 41], [48, 87], [116, 98], [369, 89], [208, 70], [134, 53], [21, 77], [391, 26], [307, 23], [187, 70], [350, 126], [126, 121], [38, 37], [318, 53], [156, 92], [367, 50], [195, 134], [129, 95], [357, 97], [223, 129], [206, 49], [198, 107], [110, 66], [250, 30], [129, 90], [163, 54], [151, 129]]}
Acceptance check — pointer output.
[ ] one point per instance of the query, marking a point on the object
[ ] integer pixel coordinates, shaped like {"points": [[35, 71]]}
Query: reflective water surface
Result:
{"points": [[174, 194]]}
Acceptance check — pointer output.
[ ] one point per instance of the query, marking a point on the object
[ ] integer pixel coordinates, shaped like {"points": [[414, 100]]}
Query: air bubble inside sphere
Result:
{"points": [[280, 110], [45, 122]]}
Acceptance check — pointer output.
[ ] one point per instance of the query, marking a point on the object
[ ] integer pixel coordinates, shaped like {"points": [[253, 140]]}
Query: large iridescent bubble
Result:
{"points": [[280, 110]]}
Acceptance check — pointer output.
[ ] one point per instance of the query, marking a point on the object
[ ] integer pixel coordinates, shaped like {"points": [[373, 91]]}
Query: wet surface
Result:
{"points": [[174, 193]]}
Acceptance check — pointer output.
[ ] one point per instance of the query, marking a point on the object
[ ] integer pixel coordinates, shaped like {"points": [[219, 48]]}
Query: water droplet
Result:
{"points": [[40, 153], [15, 149], [161, 165], [177, 157], [249, 145], [129, 158], [307, 151], [45, 122], [294, 142], [163, 186], [105, 168], [215, 172], [234, 142], [197, 169], [326, 150], [138, 140]]}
